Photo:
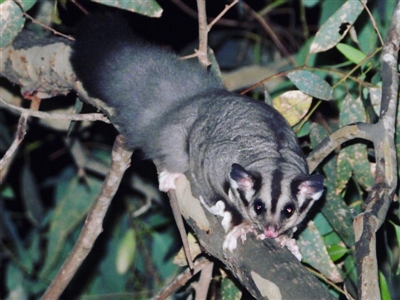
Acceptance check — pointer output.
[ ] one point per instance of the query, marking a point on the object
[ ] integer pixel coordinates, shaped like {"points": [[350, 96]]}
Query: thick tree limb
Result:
{"points": [[265, 270]]}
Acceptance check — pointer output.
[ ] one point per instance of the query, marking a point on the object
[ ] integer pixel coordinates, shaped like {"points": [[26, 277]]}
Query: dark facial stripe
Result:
{"points": [[226, 186], [237, 217], [243, 197], [276, 187], [305, 205], [257, 182]]}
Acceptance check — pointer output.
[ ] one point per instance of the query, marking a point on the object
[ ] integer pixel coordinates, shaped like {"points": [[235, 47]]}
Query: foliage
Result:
{"points": [[51, 186]]}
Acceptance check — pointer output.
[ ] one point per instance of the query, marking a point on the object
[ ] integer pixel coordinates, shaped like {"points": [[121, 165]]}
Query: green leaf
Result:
{"points": [[27, 4], [384, 288], [318, 133], [11, 22], [311, 84], [303, 130], [336, 27], [31, 196], [293, 105], [351, 53], [126, 251], [74, 199], [397, 230], [322, 224], [315, 254], [7, 192], [163, 242], [336, 252], [229, 290], [310, 3], [354, 158], [148, 8], [352, 111], [367, 38], [337, 213], [349, 264], [334, 209], [331, 238], [14, 276], [344, 169], [107, 280]]}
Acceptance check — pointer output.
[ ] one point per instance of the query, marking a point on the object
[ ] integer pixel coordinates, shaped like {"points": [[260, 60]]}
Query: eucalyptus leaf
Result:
{"points": [[336, 27], [148, 8], [31, 196], [336, 252], [304, 130], [27, 4], [354, 158], [11, 22], [322, 224], [351, 53], [311, 84], [334, 209], [229, 290], [315, 254], [74, 200], [385, 293], [293, 105], [126, 251], [338, 214]]}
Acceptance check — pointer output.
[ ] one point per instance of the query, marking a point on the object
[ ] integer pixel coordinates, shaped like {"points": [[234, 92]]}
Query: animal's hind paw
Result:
{"points": [[167, 179]]}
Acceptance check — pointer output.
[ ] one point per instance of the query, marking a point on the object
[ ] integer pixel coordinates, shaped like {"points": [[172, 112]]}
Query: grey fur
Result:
{"points": [[181, 115]]}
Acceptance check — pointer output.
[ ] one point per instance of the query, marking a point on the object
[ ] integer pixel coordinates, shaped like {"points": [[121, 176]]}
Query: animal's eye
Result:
{"points": [[288, 210], [259, 206]]}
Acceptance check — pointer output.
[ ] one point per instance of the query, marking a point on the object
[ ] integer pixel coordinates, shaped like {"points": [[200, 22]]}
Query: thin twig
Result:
{"points": [[8, 157], [5, 162], [195, 54], [57, 116], [221, 14], [192, 13], [182, 278], [77, 4], [48, 28], [270, 32], [373, 21], [181, 226]]}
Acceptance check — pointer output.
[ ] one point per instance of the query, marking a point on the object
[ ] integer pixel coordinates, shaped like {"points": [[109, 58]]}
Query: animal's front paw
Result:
{"points": [[241, 230], [291, 244], [167, 179]]}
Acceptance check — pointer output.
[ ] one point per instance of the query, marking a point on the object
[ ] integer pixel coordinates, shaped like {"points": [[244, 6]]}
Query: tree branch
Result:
{"points": [[381, 196], [262, 267], [203, 34], [55, 116], [182, 278]]}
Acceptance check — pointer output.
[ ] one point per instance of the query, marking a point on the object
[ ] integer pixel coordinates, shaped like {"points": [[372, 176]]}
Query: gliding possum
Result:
{"points": [[241, 156]]}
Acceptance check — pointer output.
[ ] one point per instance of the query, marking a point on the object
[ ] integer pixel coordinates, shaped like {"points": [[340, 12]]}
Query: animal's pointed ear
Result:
{"points": [[241, 178], [311, 187]]}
